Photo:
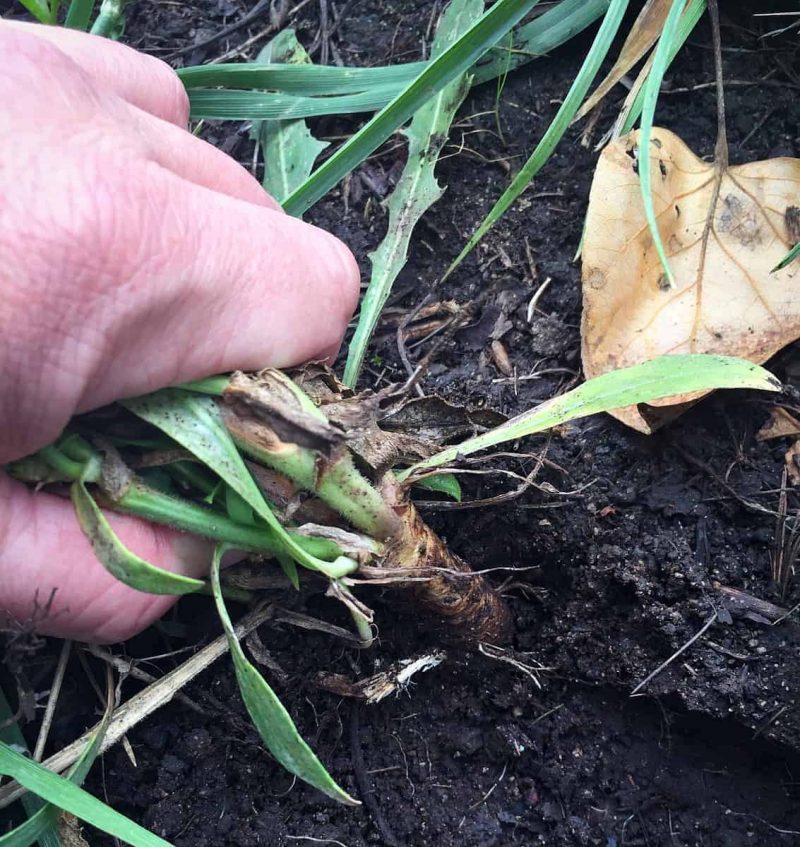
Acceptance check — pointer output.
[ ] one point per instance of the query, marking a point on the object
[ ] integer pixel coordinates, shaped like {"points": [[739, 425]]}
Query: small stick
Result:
{"points": [[675, 655], [52, 700]]}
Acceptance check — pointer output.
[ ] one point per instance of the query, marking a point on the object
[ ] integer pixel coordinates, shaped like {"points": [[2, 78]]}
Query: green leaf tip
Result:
{"points": [[664, 376], [273, 722]]}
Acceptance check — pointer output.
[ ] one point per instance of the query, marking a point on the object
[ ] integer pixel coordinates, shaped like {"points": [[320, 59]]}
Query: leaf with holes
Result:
{"points": [[726, 299], [417, 189], [290, 149]]}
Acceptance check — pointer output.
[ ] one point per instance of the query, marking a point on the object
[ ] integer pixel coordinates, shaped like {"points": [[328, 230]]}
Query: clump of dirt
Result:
{"points": [[624, 544]]}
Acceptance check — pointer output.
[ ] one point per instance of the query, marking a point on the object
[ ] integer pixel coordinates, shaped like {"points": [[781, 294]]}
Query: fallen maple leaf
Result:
{"points": [[725, 298]]}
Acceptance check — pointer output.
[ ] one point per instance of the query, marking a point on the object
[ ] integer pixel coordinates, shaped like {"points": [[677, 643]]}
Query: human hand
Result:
{"points": [[132, 256]]}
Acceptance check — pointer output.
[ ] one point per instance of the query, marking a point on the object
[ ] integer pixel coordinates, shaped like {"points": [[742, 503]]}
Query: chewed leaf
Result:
{"points": [[727, 300], [290, 149], [273, 722], [644, 383], [117, 559], [417, 189]]}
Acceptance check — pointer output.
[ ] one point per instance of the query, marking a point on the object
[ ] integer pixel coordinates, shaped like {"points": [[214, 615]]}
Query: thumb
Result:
{"points": [[51, 580]]}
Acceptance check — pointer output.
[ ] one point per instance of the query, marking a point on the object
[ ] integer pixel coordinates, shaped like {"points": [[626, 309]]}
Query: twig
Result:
{"points": [[675, 655], [128, 667], [52, 700], [414, 373]]}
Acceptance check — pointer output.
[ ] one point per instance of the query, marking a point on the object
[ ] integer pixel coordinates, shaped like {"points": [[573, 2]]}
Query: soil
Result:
{"points": [[623, 540]]}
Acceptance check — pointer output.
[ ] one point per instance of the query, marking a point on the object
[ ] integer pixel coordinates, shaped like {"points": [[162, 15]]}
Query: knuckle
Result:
{"points": [[174, 99], [26, 47]]}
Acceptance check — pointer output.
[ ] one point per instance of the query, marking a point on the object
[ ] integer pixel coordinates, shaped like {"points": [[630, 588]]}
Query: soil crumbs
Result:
{"points": [[623, 541]]}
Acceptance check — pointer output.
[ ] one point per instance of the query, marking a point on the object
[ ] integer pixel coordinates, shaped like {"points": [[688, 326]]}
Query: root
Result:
{"points": [[440, 582]]}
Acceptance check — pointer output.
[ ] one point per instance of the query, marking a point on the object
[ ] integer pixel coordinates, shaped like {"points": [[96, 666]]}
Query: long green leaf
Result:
{"points": [[630, 113], [269, 716], [442, 70], [417, 190], [40, 11], [11, 734], [307, 80], [79, 14], [194, 421], [65, 795], [555, 132], [125, 565], [43, 825], [289, 149], [652, 86], [530, 41], [665, 376], [264, 105], [544, 33]]}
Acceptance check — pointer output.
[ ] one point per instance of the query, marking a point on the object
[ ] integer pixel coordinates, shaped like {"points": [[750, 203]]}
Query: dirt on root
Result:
{"points": [[623, 542]]}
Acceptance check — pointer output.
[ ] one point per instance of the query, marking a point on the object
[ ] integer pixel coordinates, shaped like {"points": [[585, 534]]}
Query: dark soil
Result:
{"points": [[624, 539]]}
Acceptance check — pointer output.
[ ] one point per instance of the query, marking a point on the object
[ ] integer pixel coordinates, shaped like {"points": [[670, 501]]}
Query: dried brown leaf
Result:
{"points": [[641, 37], [792, 460], [780, 425], [726, 300]]}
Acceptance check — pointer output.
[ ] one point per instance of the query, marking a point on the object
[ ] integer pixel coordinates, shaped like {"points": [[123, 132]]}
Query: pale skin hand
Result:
{"points": [[132, 256]]}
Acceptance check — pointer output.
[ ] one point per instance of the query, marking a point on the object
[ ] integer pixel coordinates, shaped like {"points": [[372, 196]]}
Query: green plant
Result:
{"points": [[281, 424], [109, 20], [227, 428]]}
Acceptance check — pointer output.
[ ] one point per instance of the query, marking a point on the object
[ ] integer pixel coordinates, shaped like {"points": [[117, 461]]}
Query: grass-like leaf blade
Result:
{"points": [[40, 11], [273, 722], [651, 88], [633, 102], [664, 376], [417, 189], [266, 105], [79, 14], [321, 82], [42, 826], [555, 132], [117, 559], [10, 733], [544, 33], [65, 795], [453, 62]]}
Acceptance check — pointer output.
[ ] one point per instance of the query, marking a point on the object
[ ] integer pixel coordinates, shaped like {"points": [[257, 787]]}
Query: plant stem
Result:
{"points": [[110, 21], [62, 463], [160, 508]]}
